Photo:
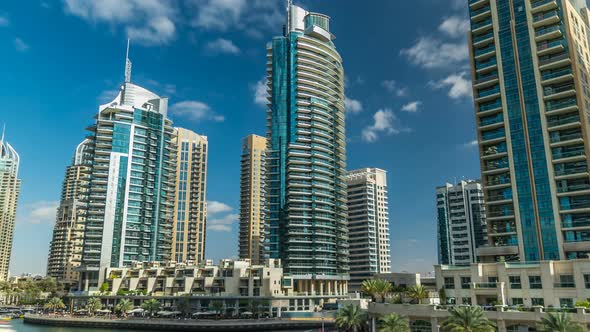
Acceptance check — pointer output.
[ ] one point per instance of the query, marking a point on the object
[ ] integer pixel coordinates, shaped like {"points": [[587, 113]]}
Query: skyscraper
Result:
{"points": [[131, 192], [461, 222], [530, 80], [306, 190], [252, 176], [65, 250], [9, 191], [190, 210], [368, 224]]}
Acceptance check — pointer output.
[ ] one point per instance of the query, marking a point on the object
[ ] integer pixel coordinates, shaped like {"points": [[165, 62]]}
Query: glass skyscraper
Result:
{"points": [[132, 155], [9, 192], [530, 65], [306, 223]]}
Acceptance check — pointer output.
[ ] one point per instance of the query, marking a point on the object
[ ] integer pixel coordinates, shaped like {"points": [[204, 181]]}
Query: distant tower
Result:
{"points": [[65, 251], [9, 192], [252, 194]]}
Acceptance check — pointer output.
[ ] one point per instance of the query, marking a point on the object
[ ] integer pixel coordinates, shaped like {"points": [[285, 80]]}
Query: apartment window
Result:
{"points": [[492, 281], [449, 283], [566, 281], [535, 282], [566, 303], [517, 301], [515, 282], [587, 280], [465, 282], [466, 300], [538, 301]]}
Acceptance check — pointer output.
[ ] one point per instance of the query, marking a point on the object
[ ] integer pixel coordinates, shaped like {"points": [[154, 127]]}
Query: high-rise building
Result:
{"points": [[530, 68], [132, 151], [368, 225], [9, 192], [252, 176], [65, 250], [190, 208], [461, 222], [306, 157]]}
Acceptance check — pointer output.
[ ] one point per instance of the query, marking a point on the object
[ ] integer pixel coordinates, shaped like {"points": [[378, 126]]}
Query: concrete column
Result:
{"points": [[434, 324], [312, 287], [321, 288], [501, 325], [329, 287]]}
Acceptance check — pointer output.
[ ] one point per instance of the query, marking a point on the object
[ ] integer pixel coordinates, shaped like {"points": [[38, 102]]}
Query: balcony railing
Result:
{"points": [[546, 75], [559, 104], [486, 285]]}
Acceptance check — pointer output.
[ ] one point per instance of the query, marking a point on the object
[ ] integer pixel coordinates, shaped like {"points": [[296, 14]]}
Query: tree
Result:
{"points": [[467, 319], [254, 307], [151, 306], [369, 288], [351, 318], [54, 304], [383, 288], [393, 323], [559, 322], [184, 306], [442, 294], [93, 305], [104, 288], [124, 307], [418, 293], [217, 307]]}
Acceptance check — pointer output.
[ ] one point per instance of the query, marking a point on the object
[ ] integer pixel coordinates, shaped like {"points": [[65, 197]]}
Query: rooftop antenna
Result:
{"points": [[3, 132], [127, 65], [289, 4]]}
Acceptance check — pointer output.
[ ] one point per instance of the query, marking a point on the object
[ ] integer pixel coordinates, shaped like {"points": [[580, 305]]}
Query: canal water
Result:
{"points": [[17, 325]]}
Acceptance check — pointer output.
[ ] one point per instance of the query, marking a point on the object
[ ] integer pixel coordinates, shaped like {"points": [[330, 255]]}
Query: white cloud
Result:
{"points": [[246, 15], [195, 110], [214, 207], [412, 107], [454, 27], [20, 45], [107, 96], [352, 105], [158, 31], [219, 14], [433, 53], [4, 21], [458, 84], [470, 144], [222, 45], [384, 122], [223, 224], [261, 93], [40, 212], [149, 22], [393, 87]]}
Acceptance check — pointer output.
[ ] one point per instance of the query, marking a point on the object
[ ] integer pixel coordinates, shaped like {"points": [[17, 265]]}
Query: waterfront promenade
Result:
{"points": [[177, 325]]}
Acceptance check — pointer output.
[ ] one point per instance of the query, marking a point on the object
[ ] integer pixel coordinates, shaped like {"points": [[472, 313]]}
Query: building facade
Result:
{"points": [[368, 224], [65, 249], [9, 192], [252, 194], [190, 208], [548, 284], [530, 81], [306, 190], [131, 191], [461, 222]]}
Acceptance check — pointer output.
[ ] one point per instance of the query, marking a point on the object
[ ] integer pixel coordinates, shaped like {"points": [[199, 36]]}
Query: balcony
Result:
{"points": [[492, 136], [490, 108], [487, 94], [483, 40], [557, 92], [497, 251], [486, 81], [554, 61], [484, 53], [491, 122], [545, 48], [556, 107], [481, 27], [475, 4], [557, 76], [548, 33], [570, 155], [563, 122], [566, 139], [480, 14], [544, 19], [543, 6]]}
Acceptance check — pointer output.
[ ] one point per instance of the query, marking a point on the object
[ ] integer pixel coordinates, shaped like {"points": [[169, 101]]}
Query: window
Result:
{"points": [[492, 281], [517, 301], [515, 282], [587, 280], [465, 282], [449, 283], [466, 300], [538, 301], [535, 282], [566, 281], [566, 303]]}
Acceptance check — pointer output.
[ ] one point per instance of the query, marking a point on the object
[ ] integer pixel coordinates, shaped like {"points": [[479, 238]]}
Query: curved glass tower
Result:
{"points": [[306, 191], [9, 192]]}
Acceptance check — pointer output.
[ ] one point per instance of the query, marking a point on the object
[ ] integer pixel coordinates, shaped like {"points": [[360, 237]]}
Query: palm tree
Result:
{"points": [[418, 293], [124, 307], [467, 319], [560, 322], [351, 318], [54, 304], [151, 306], [368, 287], [93, 305], [383, 288], [394, 323]]}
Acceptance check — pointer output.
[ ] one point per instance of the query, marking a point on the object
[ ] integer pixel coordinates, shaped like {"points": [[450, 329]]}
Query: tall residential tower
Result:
{"points": [[190, 209], [530, 68], [65, 250], [306, 189], [368, 225], [252, 176], [461, 222], [9, 192]]}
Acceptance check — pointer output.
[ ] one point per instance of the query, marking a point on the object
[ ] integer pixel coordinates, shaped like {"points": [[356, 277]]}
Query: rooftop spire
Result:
{"points": [[3, 132], [127, 65], [289, 4]]}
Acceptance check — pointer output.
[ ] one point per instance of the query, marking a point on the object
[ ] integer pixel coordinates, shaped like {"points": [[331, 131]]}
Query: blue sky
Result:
{"points": [[408, 86]]}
